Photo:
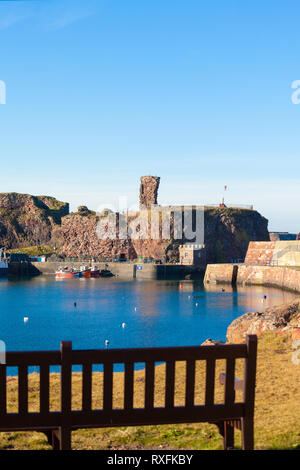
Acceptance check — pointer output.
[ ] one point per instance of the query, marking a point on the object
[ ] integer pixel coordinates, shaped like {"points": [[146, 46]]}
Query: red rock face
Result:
{"points": [[281, 319], [28, 220], [149, 191]]}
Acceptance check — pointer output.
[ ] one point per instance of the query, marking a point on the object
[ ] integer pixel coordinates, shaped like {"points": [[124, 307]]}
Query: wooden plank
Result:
{"points": [[44, 389], [210, 382], [229, 393], [128, 385], [149, 385], [182, 353], [2, 389], [32, 358], [110, 418], [170, 384], [108, 385], [86, 386], [23, 389], [250, 375], [66, 379], [190, 383]]}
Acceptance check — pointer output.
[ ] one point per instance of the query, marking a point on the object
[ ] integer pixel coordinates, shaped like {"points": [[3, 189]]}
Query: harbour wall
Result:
{"points": [[243, 274], [121, 270]]}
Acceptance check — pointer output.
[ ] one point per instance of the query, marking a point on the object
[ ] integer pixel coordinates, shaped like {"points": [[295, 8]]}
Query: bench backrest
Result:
{"points": [[128, 415]]}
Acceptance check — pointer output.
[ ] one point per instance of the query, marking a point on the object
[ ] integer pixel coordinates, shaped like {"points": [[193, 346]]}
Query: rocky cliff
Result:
{"points": [[227, 234], [29, 220], [34, 220], [229, 230]]}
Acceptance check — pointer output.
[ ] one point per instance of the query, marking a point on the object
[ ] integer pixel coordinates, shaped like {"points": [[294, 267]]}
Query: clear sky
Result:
{"points": [[100, 92]]}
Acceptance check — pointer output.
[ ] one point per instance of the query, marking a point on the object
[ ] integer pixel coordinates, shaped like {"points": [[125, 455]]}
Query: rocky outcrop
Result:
{"points": [[281, 319], [228, 232], [29, 220]]}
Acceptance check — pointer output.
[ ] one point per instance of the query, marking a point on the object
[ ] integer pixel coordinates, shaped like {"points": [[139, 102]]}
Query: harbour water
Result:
{"points": [[37, 313]]}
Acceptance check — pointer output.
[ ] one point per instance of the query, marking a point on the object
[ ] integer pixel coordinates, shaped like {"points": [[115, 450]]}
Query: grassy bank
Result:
{"points": [[277, 413], [37, 250]]}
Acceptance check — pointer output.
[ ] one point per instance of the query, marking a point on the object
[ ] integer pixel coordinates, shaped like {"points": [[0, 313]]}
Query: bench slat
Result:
{"points": [[108, 386], [190, 383], [23, 389], [44, 389], [229, 393], [210, 382], [170, 384], [149, 385], [87, 387], [128, 385]]}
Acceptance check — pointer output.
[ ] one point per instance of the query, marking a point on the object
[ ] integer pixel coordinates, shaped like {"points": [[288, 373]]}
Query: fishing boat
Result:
{"points": [[66, 273], [95, 271], [85, 271]]}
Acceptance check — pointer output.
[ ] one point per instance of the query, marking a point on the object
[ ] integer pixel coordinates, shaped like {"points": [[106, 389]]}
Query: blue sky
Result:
{"points": [[199, 93]]}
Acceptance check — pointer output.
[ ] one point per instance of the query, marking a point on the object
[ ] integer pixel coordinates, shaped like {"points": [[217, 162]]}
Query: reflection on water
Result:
{"points": [[89, 311]]}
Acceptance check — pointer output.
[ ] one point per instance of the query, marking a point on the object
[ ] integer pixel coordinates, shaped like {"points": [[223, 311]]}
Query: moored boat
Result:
{"points": [[95, 271], [66, 273], [85, 271]]}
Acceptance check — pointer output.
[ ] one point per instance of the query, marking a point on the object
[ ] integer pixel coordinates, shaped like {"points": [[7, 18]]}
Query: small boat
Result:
{"points": [[85, 271], [95, 271], [66, 273], [105, 273]]}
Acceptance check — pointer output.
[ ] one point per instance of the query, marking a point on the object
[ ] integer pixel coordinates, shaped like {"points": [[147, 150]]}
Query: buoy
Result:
{"points": [[123, 325], [25, 319]]}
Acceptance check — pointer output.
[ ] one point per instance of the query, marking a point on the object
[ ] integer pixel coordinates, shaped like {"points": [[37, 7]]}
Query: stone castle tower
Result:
{"points": [[148, 190]]}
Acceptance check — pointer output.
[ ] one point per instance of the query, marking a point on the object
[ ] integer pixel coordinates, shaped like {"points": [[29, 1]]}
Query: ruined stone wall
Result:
{"points": [[149, 191]]}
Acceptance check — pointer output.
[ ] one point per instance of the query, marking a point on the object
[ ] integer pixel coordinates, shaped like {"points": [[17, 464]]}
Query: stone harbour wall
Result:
{"points": [[242, 274]]}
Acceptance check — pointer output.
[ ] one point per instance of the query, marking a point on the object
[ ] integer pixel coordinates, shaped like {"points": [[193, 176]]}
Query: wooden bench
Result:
{"points": [[57, 425]]}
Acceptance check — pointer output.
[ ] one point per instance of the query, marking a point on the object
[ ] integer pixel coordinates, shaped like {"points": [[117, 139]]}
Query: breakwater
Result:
{"points": [[243, 274], [122, 270]]}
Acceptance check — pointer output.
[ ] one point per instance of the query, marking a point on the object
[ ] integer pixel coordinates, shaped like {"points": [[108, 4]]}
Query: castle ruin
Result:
{"points": [[148, 191]]}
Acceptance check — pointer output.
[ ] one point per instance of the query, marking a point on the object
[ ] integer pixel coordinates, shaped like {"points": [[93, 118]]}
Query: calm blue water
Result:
{"points": [[156, 313]]}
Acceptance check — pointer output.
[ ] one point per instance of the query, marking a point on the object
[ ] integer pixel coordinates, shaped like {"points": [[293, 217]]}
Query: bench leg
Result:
{"points": [[60, 438], [247, 434], [64, 438], [228, 436]]}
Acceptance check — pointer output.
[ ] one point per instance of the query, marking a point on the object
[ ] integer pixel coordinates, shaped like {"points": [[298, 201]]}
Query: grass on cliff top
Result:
{"points": [[33, 250], [277, 412]]}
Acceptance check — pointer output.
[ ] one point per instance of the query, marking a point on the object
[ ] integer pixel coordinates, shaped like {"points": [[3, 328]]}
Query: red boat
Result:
{"points": [[95, 271], [85, 271], [66, 273]]}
